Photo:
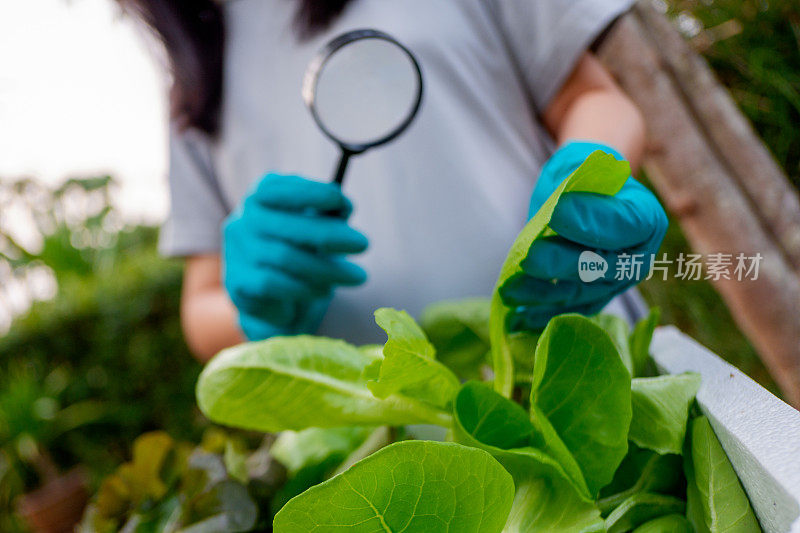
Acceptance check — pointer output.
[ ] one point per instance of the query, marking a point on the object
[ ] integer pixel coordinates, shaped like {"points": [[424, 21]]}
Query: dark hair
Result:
{"points": [[193, 35]]}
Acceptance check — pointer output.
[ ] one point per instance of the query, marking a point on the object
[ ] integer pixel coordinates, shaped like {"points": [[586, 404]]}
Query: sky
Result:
{"points": [[81, 94]]}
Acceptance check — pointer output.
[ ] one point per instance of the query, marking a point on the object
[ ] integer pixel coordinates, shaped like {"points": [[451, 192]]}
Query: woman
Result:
{"points": [[508, 82]]}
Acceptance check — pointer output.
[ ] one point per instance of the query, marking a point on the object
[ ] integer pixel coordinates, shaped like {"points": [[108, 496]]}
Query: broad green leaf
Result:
{"points": [[491, 418], [410, 486], [298, 382], [315, 473], [304, 479], [546, 438], [485, 419], [409, 365], [459, 330], [549, 503], [661, 411], [694, 505], [299, 449], [641, 508], [545, 500], [641, 471], [523, 463], [601, 173], [581, 387], [640, 342], [404, 333], [617, 328], [715, 491], [671, 523]]}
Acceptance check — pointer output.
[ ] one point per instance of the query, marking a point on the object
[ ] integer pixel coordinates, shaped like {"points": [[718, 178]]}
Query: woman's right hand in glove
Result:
{"points": [[283, 254]]}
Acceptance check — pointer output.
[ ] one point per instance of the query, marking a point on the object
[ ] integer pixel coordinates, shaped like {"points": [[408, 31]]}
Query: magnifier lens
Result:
{"points": [[365, 91]]}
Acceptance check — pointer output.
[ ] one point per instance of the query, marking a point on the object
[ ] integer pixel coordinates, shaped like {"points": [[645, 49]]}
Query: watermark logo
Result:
{"points": [[691, 267], [591, 266]]}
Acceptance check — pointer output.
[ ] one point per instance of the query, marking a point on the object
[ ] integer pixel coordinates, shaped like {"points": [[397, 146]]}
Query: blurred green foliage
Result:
{"points": [[169, 486], [115, 338], [754, 48], [83, 374]]}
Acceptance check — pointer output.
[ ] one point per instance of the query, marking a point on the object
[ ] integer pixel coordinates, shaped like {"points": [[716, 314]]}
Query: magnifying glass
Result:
{"points": [[363, 89]]}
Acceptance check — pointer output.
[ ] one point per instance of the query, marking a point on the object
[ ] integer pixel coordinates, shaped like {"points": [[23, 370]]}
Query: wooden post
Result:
{"points": [[717, 178]]}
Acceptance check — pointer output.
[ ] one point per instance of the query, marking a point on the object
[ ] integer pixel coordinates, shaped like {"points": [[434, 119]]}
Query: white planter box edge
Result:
{"points": [[760, 433]]}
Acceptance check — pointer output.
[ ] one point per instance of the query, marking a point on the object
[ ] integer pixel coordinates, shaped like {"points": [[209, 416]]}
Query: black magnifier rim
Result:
{"points": [[315, 68]]}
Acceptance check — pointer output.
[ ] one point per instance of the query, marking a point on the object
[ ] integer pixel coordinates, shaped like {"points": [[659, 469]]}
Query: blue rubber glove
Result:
{"points": [[630, 222], [283, 255]]}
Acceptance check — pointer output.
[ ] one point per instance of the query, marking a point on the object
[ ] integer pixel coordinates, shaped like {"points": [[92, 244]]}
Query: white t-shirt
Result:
{"points": [[441, 204]]}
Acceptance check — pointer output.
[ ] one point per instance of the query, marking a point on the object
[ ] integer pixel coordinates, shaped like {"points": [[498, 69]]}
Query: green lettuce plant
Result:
{"points": [[572, 434]]}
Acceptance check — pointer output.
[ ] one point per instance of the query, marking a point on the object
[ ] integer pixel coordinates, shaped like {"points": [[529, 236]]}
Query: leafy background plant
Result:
{"points": [[84, 373], [170, 486], [753, 46]]}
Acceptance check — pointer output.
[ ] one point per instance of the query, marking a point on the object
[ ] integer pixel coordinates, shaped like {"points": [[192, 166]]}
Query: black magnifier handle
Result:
{"points": [[338, 178]]}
